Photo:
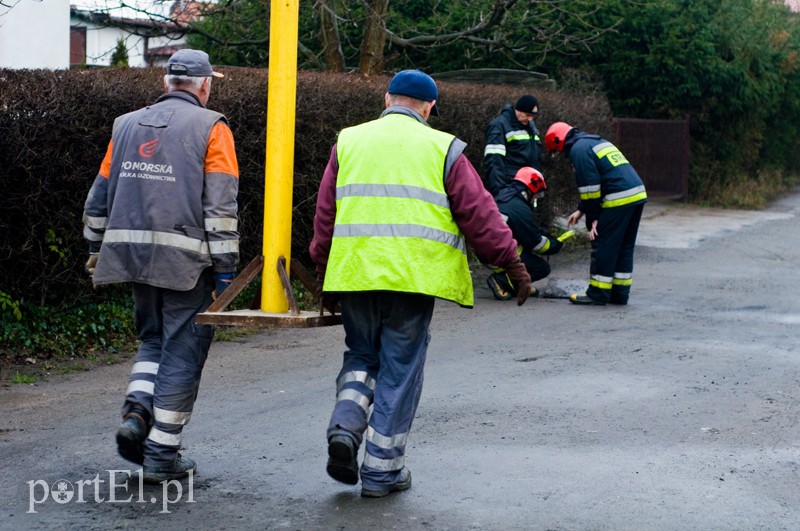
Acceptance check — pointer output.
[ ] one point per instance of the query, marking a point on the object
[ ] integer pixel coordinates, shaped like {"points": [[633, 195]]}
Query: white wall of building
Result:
{"points": [[34, 34], [102, 41]]}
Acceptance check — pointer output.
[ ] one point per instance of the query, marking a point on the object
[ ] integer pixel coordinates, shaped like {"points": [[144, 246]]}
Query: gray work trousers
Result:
{"points": [[166, 373]]}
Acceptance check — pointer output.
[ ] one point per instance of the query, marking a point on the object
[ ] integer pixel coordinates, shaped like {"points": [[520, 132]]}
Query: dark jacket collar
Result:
{"points": [[511, 116], [181, 95], [573, 136]]}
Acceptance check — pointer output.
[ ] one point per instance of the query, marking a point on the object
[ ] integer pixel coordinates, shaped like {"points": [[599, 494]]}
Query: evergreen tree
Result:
{"points": [[119, 59]]}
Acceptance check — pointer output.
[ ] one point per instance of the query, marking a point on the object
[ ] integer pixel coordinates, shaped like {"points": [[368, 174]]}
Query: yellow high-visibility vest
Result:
{"points": [[394, 230]]}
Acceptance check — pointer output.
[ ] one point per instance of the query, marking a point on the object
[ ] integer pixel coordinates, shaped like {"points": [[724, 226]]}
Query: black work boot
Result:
{"points": [[181, 468], [618, 298], [501, 289], [585, 300], [403, 483], [131, 435], [342, 459]]}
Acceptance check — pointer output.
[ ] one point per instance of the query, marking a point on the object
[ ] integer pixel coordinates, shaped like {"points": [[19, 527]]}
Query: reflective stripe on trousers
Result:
{"points": [[611, 269], [387, 336], [166, 373]]}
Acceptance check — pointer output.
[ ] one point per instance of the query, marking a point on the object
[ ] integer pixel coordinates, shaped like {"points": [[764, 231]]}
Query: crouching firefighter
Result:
{"points": [[516, 202]]}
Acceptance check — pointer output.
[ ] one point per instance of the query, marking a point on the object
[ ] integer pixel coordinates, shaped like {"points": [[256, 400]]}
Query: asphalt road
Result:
{"points": [[679, 411]]}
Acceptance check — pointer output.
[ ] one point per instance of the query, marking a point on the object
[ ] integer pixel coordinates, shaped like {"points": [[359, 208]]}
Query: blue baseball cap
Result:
{"points": [[415, 84]]}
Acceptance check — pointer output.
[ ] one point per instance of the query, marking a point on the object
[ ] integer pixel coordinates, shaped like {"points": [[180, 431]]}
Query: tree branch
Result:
{"points": [[499, 11]]}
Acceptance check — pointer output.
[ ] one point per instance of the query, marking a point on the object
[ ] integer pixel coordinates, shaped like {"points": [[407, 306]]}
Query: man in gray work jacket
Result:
{"points": [[162, 214]]}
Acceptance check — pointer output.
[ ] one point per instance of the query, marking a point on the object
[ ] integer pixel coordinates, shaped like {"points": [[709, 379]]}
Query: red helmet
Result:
{"points": [[556, 134], [532, 178]]}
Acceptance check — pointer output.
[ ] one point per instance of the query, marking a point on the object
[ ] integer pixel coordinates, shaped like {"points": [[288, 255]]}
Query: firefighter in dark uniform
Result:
{"points": [[612, 197], [515, 203], [512, 142]]}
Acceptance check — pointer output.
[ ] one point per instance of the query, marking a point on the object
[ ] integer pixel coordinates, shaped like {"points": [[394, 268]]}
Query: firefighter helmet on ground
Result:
{"points": [[556, 134], [532, 178]]}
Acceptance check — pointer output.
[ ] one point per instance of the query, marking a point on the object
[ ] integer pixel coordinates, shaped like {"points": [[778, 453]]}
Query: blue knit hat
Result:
{"points": [[415, 84]]}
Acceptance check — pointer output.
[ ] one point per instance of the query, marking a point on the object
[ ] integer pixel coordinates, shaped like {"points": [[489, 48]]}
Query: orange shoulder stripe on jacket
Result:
{"points": [[105, 166], [221, 153]]}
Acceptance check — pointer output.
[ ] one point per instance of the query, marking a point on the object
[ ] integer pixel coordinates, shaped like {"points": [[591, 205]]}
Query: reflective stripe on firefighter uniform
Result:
{"points": [[612, 193]]}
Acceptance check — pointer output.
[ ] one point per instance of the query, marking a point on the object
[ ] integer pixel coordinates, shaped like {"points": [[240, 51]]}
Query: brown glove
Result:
{"points": [[521, 279]]}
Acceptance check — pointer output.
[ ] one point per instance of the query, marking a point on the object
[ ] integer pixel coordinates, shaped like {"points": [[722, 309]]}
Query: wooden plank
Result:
{"points": [[298, 270], [241, 281], [217, 315], [294, 309], [268, 320]]}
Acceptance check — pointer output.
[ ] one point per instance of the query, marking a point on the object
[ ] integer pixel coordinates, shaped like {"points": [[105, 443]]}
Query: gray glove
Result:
{"points": [[91, 263]]}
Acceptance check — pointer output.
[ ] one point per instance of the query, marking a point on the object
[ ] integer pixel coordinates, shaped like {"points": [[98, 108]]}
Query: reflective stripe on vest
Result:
{"points": [[394, 230], [495, 149], [626, 197], [589, 192], [178, 241], [520, 135]]}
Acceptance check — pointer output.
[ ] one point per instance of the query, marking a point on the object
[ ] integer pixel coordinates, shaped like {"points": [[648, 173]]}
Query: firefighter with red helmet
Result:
{"points": [[515, 202], [612, 197]]}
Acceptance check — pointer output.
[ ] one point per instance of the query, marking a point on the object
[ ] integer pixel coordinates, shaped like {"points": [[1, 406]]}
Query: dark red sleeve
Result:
{"points": [[477, 216], [325, 214]]}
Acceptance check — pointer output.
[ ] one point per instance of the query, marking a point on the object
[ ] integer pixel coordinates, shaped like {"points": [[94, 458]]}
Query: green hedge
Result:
{"points": [[55, 127]]}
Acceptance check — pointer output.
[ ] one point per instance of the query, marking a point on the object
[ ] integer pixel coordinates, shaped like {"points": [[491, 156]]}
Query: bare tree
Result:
{"points": [[372, 45], [514, 28], [329, 35], [8, 5]]}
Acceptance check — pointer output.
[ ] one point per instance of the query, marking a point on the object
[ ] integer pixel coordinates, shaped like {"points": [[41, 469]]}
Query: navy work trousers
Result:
{"points": [[611, 269], [166, 372], [387, 336], [538, 267]]}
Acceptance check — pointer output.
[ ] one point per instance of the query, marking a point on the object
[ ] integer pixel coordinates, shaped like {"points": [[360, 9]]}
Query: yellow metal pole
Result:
{"points": [[278, 175]]}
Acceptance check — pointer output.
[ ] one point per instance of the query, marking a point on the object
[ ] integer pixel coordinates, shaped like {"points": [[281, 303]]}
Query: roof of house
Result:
{"points": [[102, 18]]}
